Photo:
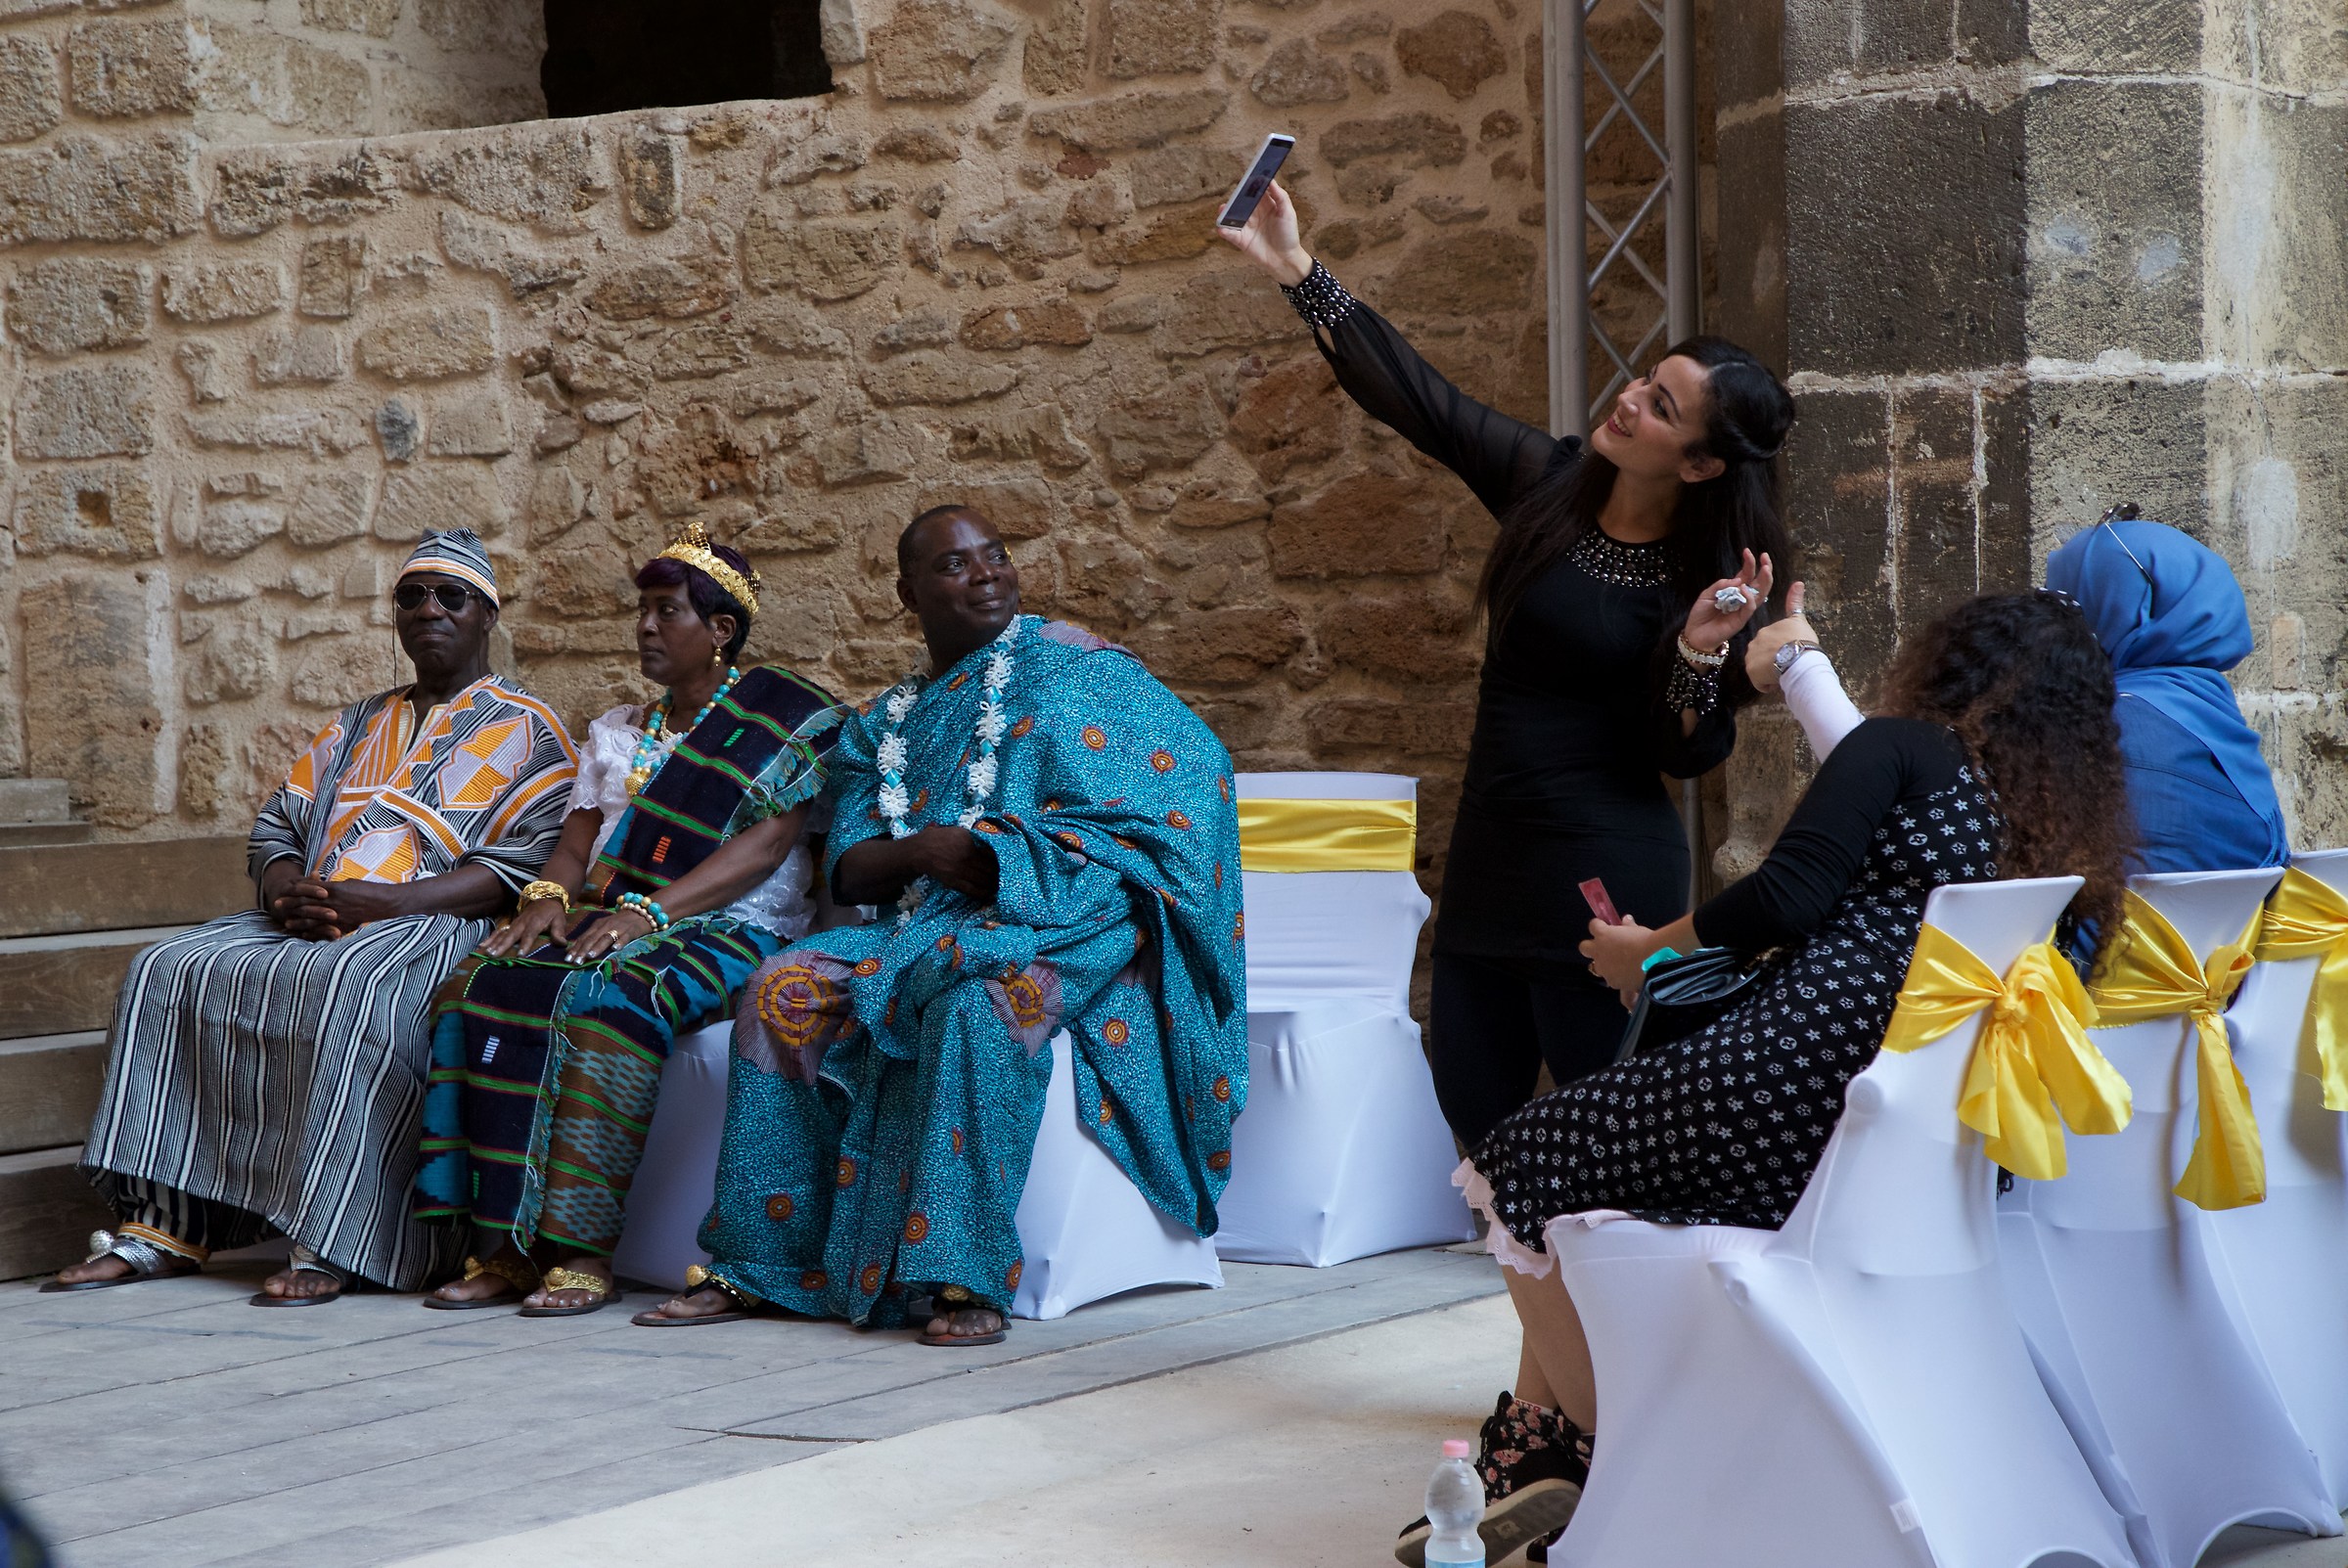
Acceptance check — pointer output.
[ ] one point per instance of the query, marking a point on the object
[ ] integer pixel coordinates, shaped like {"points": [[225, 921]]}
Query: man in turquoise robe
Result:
{"points": [[1050, 838]]}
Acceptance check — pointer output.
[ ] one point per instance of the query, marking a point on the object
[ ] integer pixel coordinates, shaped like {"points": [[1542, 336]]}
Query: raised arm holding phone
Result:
{"points": [[1627, 575]]}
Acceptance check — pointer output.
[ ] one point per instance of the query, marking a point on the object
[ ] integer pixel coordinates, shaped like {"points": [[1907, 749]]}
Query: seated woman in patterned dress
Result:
{"points": [[2000, 758], [683, 864]]}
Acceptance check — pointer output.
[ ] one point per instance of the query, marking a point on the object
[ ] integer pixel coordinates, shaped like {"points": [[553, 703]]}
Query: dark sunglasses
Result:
{"points": [[453, 597]]}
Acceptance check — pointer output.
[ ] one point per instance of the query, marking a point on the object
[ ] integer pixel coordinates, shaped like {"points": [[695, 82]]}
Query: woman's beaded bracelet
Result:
{"points": [[652, 913], [1690, 687], [1319, 298]]}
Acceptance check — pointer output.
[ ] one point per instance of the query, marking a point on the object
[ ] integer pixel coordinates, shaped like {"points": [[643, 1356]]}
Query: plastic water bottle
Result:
{"points": [[1454, 1506]]}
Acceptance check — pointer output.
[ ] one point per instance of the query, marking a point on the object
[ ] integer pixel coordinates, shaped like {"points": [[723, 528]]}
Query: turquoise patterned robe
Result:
{"points": [[887, 1084]]}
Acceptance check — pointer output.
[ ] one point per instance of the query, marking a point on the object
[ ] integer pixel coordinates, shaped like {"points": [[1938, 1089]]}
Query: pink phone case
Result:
{"points": [[1594, 892]]}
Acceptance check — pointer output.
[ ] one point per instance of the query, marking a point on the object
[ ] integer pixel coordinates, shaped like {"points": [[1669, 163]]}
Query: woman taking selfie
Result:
{"points": [[1619, 596]]}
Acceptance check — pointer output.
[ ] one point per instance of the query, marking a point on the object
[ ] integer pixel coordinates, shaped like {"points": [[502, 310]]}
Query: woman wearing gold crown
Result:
{"points": [[683, 864]]}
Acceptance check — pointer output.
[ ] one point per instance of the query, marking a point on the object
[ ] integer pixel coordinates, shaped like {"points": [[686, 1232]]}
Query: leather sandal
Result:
{"points": [[521, 1275], [697, 1278], [949, 1304], [605, 1293], [305, 1261], [147, 1261]]}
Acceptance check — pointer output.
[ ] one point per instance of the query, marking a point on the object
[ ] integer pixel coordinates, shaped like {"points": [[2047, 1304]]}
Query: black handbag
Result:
{"points": [[1681, 995]]}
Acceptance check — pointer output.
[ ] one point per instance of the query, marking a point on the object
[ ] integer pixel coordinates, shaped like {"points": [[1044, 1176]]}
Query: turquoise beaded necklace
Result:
{"points": [[650, 753]]}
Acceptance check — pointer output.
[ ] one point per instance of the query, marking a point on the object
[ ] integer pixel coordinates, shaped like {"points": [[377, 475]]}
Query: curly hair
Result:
{"points": [[2024, 685]]}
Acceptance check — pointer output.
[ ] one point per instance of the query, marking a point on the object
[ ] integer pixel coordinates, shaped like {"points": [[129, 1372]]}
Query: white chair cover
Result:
{"points": [[1851, 1389], [1342, 1151], [2286, 1260], [676, 1180], [1086, 1230], [2113, 1282]]}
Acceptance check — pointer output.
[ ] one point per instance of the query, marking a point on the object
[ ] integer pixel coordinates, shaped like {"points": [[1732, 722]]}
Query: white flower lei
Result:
{"points": [[892, 755]]}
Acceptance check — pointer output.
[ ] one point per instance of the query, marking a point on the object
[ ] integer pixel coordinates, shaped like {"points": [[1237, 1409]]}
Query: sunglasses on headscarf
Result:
{"points": [[2125, 511]]}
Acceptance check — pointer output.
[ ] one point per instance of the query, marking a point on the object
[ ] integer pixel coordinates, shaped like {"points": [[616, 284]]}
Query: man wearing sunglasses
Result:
{"points": [[266, 1071]]}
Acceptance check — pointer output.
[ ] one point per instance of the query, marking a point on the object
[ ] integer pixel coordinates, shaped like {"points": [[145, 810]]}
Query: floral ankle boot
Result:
{"points": [[1533, 1461]]}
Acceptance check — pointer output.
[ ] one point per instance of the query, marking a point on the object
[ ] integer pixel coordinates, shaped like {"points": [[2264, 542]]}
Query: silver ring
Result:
{"points": [[1728, 601]]}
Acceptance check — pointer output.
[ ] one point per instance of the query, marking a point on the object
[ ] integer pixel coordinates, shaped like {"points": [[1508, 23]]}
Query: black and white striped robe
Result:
{"points": [[279, 1081]]}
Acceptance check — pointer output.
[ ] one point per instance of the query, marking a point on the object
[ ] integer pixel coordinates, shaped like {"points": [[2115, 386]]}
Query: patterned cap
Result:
{"points": [[458, 552]]}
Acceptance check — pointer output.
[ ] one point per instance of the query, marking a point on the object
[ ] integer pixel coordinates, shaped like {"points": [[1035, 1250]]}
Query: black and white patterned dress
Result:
{"points": [[1725, 1126]]}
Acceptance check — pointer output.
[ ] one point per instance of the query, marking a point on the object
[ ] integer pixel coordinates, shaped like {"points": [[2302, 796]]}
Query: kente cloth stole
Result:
{"points": [[683, 812], [1328, 836], [2152, 973], [2033, 1068], [2307, 919]]}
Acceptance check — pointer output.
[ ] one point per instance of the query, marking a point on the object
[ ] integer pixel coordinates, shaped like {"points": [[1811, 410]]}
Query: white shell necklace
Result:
{"points": [[892, 755]]}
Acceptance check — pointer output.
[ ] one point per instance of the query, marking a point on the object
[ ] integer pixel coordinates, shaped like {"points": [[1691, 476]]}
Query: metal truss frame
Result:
{"points": [[1569, 67]]}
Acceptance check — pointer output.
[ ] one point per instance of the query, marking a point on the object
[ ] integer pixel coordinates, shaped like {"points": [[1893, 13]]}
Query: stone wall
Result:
{"points": [[241, 378], [2026, 260], [270, 70]]}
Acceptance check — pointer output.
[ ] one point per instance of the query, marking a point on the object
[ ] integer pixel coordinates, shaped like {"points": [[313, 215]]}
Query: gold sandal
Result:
{"points": [[698, 1278], [559, 1278], [520, 1275]]}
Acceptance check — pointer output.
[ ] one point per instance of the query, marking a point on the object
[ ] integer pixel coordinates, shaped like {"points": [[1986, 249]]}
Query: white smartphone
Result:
{"points": [[1268, 160]]}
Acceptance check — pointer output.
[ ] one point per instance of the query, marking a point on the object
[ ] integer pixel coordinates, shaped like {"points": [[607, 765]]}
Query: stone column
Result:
{"points": [[2025, 260]]}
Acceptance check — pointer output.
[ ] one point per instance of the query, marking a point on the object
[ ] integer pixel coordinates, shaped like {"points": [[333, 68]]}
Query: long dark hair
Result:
{"points": [[2027, 687], [701, 589], [1746, 414]]}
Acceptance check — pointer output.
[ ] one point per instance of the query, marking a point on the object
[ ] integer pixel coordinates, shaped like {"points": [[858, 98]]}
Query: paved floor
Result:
{"points": [[1285, 1421], [1307, 1456], [170, 1423]]}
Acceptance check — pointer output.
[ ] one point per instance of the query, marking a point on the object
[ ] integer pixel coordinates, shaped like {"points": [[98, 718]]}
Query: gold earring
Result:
{"points": [[717, 658]]}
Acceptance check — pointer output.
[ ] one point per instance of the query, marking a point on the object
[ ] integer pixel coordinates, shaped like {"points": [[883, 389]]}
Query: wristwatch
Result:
{"points": [[1793, 651]]}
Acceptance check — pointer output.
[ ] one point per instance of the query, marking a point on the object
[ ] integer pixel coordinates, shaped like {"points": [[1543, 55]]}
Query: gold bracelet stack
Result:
{"points": [[546, 889], [1702, 661]]}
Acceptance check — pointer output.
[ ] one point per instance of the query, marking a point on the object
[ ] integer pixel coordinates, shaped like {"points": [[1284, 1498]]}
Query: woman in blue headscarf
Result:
{"points": [[2168, 612]]}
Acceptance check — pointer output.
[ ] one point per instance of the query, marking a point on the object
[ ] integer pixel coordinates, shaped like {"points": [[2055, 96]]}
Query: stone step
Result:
{"points": [[47, 1211], [17, 834], [57, 985], [49, 1089], [30, 800], [48, 889]]}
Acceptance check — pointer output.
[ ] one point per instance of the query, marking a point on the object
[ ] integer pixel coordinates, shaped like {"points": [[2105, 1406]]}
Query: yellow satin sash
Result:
{"points": [[2152, 973], [2307, 919], [2032, 1064], [1329, 836]]}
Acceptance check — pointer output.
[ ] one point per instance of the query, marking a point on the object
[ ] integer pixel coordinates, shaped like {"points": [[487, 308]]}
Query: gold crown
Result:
{"points": [[692, 547]]}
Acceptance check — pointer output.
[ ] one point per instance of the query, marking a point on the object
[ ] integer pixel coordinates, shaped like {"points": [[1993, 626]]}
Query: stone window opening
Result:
{"points": [[606, 57]]}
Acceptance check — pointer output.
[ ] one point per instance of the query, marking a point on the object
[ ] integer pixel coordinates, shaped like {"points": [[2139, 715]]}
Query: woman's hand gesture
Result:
{"points": [[610, 934], [1761, 653], [1617, 955], [1269, 238], [535, 923], [1708, 625]]}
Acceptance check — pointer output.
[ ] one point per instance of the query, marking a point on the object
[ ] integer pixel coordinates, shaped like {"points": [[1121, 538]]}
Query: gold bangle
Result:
{"points": [[538, 890], [1690, 654]]}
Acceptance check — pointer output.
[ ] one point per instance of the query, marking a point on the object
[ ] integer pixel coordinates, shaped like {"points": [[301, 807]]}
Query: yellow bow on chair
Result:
{"points": [[2033, 1060], [2308, 919], [1328, 836], [2152, 973]]}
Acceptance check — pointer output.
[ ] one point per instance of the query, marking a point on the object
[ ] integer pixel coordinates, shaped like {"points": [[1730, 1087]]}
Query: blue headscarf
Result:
{"points": [[2171, 639]]}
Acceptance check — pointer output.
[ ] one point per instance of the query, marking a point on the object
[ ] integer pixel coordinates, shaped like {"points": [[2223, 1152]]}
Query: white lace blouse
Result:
{"points": [[781, 903]]}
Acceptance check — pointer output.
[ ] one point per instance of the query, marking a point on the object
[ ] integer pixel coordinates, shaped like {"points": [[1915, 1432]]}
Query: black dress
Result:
{"points": [[1575, 726], [1725, 1126]]}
